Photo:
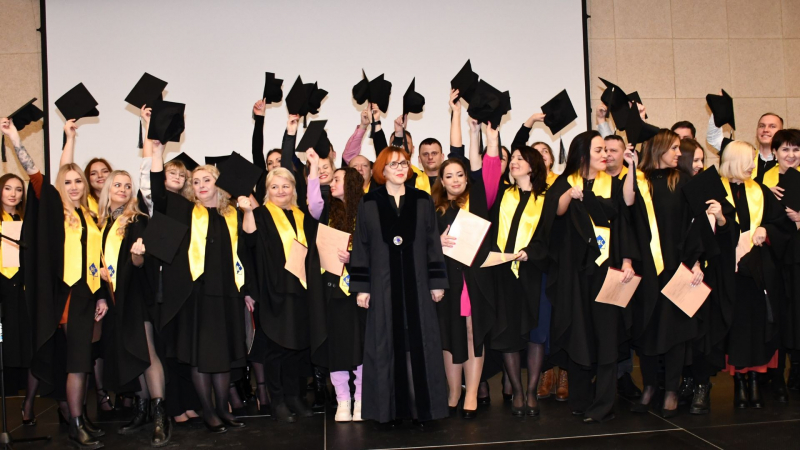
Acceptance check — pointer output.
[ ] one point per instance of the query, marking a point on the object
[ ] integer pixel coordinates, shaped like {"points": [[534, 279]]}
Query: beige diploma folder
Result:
{"points": [[743, 247], [469, 231], [497, 258], [10, 249], [614, 291], [329, 242], [679, 290], [296, 262]]}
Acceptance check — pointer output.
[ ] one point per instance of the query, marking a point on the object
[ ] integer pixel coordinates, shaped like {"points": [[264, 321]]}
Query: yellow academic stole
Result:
{"points": [[527, 223], [197, 243], [772, 176], [366, 188], [285, 229], [423, 183], [111, 250], [73, 251], [551, 178], [622, 173], [93, 207], [7, 272], [655, 239], [755, 203], [601, 188]]}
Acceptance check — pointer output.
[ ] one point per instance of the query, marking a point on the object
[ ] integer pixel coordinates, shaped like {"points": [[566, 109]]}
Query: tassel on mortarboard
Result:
{"points": [[562, 154], [141, 141], [3, 148]]}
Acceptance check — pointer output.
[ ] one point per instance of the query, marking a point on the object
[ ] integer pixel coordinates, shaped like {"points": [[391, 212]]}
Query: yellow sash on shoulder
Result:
{"points": [[527, 223], [772, 176], [73, 251], [423, 183], [285, 229], [623, 172], [755, 203], [601, 188], [551, 178], [7, 272], [197, 243], [655, 239], [111, 249], [93, 207]]}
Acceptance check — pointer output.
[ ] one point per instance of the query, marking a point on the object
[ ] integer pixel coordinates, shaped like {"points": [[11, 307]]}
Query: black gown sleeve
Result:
{"points": [[521, 138], [158, 191], [258, 156], [437, 270], [379, 141], [359, 257]]}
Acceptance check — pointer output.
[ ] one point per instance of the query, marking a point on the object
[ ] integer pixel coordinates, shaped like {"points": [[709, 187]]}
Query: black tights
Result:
{"points": [[512, 365], [30, 395], [203, 383], [258, 371], [535, 362], [76, 392]]}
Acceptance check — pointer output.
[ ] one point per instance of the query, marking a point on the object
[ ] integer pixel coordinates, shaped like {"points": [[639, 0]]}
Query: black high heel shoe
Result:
{"points": [[507, 398], [518, 412], [264, 409], [219, 429], [640, 407], [28, 422], [485, 400]]}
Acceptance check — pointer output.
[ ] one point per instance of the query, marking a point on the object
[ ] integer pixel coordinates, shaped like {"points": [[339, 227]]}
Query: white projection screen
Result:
{"points": [[214, 55]]}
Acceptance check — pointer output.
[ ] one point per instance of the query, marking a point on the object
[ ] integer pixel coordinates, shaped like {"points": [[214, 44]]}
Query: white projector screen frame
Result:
{"points": [[214, 55]]}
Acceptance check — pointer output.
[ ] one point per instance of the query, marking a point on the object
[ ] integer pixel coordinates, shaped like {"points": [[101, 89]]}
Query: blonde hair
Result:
{"points": [[223, 198], [131, 211], [67, 204], [186, 190], [736, 159], [281, 172]]}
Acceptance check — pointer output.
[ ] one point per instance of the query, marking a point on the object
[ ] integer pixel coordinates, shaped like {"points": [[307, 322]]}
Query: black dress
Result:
{"points": [[397, 258]]}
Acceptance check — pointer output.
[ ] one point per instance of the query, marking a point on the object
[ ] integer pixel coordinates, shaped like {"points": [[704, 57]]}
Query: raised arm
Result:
{"points": [[157, 177], [258, 135], [603, 126], [353, 146], [455, 120], [628, 191], [491, 173], [289, 140], [147, 161], [25, 160], [378, 136], [315, 202], [714, 134], [68, 153]]}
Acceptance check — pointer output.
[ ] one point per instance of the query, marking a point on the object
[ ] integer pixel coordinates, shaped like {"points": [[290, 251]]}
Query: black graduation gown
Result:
{"points": [[755, 330], [517, 299], [790, 323], [659, 325], [589, 332], [480, 286], [17, 296], [398, 260], [55, 356], [202, 320], [125, 342]]}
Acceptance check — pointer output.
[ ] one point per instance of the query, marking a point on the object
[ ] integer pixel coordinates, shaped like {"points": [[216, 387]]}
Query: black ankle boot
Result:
{"points": [[320, 390], [754, 391], [686, 391], [779, 388], [740, 397], [298, 406], [281, 413], [141, 416], [794, 377], [79, 436], [701, 401], [90, 427], [162, 425]]}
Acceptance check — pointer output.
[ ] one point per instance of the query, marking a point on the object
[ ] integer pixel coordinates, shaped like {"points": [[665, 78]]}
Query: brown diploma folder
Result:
{"points": [[329, 242], [469, 231], [296, 262], [614, 291], [679, 291]]}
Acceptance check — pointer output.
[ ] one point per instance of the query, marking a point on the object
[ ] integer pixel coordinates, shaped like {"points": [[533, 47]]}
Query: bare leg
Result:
{"points": [[155, 373], [453, 373], [472, 371], [535, 361], [511, 362]]}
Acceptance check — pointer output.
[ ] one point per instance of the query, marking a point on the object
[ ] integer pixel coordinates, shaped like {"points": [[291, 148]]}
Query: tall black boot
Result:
{"points": [[740, 400], [79, 436], [754, 391], [686, 391], [162, 425], [320, 389], [141, 417]]}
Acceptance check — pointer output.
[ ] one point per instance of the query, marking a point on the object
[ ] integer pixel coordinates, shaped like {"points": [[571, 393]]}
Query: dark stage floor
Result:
{"points": [[774, 427]]}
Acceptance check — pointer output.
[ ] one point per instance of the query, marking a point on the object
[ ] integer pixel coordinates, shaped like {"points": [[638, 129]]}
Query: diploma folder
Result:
{"points": [[469, 231]]}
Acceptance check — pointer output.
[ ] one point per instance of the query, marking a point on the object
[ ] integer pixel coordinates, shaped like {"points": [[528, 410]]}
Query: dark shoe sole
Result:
{"points": [[698, 411]]}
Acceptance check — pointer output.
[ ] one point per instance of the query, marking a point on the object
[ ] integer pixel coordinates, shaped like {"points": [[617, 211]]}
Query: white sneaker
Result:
{"points": [[343, 412], [357, 411]]}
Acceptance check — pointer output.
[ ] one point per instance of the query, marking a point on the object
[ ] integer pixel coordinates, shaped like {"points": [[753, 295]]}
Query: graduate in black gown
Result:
{"points": [[754, 337], [204, 288], [590, 236], [69, 298], [467, 312], [398, 271], [18, 284], [666, 239]]}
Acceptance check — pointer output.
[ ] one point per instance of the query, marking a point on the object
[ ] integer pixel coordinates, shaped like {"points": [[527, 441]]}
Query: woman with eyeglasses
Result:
{"points": [[398, 271]]}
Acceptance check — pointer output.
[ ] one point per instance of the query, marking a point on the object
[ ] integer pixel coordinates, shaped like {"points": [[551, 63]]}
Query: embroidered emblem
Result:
{"points": [[93, 270], [239, 267], [600, 242], [347, 280], [111, 271]]}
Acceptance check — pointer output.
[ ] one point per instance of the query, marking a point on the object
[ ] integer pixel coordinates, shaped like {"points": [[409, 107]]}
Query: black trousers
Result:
{"points": [[596, 403], [673, 367], [282, 370]]}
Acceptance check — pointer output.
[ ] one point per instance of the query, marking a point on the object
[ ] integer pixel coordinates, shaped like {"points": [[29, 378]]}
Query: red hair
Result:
{"points": [[383, 160]]}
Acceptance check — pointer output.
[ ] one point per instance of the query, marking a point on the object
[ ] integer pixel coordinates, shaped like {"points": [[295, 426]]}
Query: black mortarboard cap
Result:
{"points": [[790, 182], [706, 185], [187, 161], [317, 138], [559, 112], [617, 102], [488, 104], [634, 97], [273, 92], [238, 176], [725, 142], [216, 161], [361, 89], [147, 91], [21, 118], [163, 236], [638, 130], [466, 81], [304, 98], [376, 91], [412, 100], [722, 108], [166, 122], [77, 103]]}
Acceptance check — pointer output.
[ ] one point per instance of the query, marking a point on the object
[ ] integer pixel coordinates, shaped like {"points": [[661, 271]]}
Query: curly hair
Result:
{"points": [[131, 211], [343, 213], [439, 193]]}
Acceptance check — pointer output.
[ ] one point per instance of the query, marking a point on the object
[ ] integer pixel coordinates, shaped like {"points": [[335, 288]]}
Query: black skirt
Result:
{"points": [[346, 322], [18, 333], [750, 341]]}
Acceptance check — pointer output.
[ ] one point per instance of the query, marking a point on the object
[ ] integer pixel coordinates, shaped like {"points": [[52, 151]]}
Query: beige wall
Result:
{"points": [[673, 52]]}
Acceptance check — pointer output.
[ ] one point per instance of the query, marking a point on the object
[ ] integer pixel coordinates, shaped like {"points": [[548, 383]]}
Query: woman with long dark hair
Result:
{"points": [[590, 236], [692, 159]]}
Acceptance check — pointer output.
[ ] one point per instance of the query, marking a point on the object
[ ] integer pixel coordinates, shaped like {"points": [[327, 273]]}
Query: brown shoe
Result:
{"points": [[562, 393], [546, 384]]}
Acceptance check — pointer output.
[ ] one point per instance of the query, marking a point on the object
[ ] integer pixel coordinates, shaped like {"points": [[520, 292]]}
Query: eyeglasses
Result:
{"points": [[395, 164]]}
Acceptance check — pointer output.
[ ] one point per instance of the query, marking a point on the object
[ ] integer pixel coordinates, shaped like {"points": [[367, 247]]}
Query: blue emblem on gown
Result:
{"points": [[600, 242]]}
